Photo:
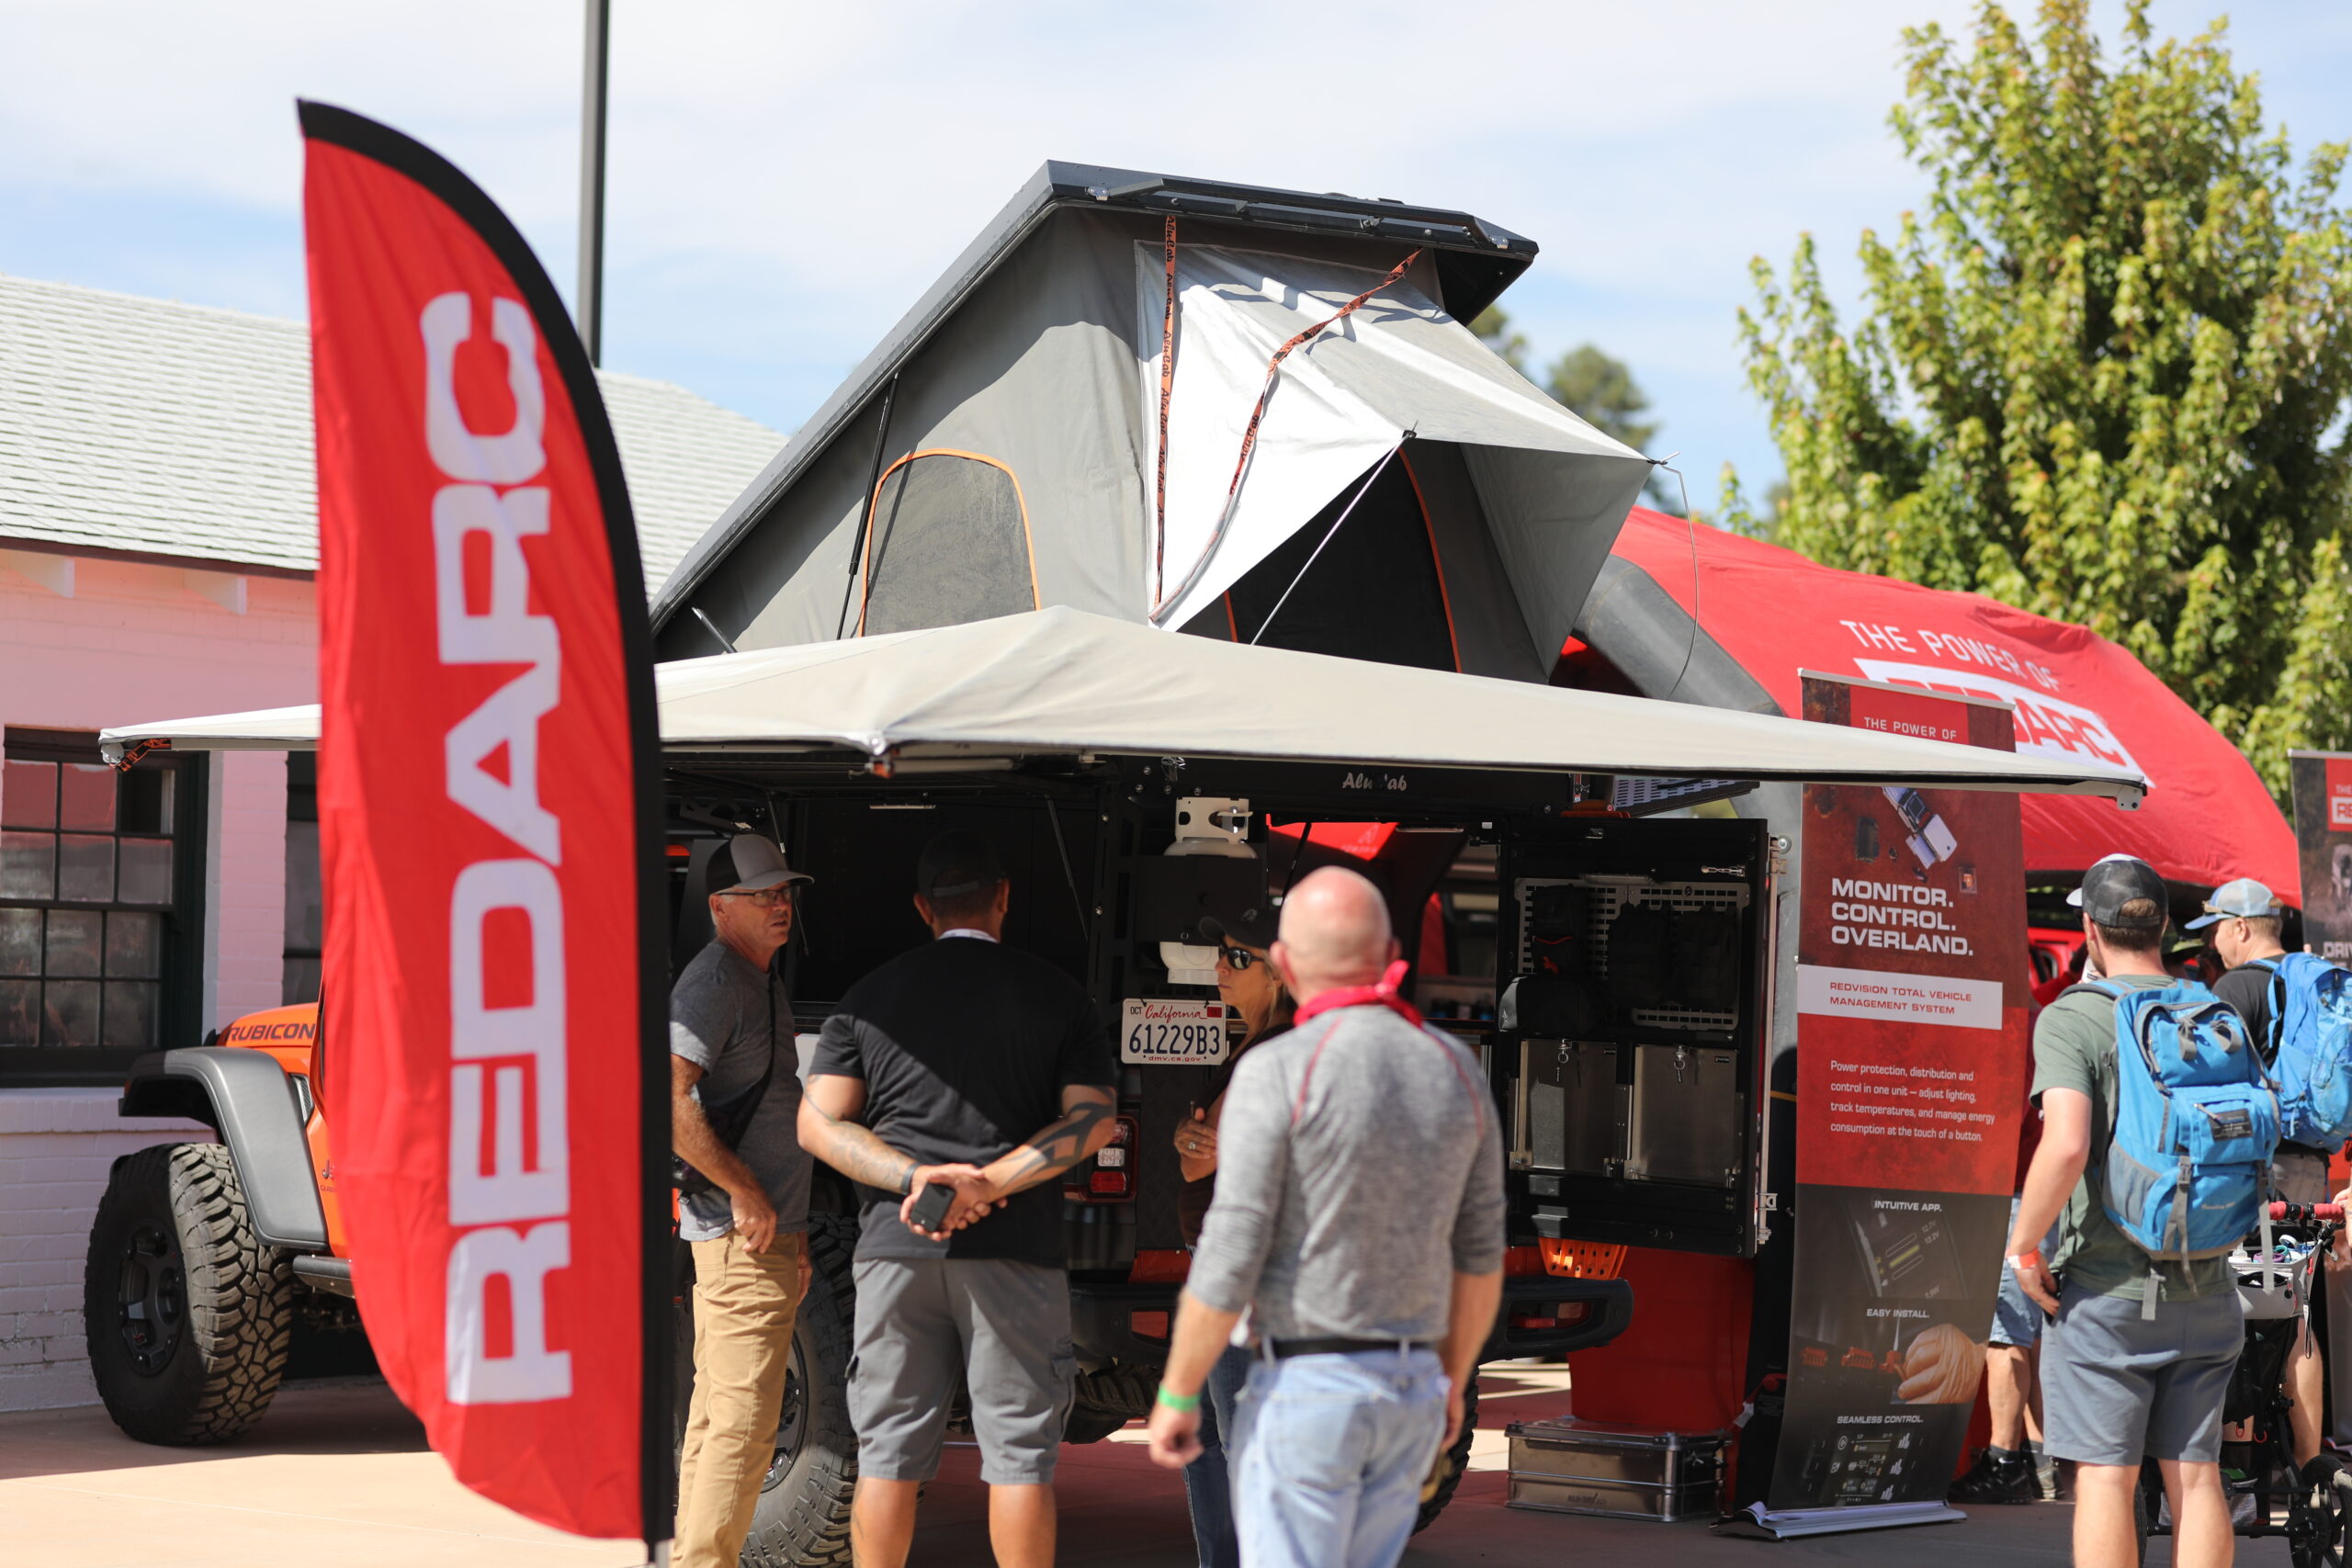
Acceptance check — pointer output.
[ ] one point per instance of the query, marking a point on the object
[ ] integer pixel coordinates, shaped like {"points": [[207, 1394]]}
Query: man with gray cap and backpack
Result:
{"points": [[2158, 1124], [744, 1190]]}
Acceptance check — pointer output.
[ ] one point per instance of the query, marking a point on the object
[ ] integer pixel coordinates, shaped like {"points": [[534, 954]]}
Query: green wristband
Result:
{"points": [[1186, 1403]]}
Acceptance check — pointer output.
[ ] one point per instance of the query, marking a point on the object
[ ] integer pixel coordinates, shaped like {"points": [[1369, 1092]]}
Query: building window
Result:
{"points": [[99, 958], [304, 904]]}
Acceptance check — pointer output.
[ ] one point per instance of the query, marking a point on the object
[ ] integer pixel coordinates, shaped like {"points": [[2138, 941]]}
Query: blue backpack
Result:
{"points": [[2196, 1121], [2311, 1047]]}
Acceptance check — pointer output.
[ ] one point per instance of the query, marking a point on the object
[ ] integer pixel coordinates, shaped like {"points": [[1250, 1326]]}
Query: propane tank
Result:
{"points": [[1206, 825]]}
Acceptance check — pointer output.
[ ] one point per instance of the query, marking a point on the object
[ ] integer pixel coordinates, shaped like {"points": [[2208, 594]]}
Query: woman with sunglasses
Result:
{"points": [[1253, 992]]}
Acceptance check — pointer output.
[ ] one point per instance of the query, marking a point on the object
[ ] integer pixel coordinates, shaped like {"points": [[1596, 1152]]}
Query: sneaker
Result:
{"points": [[1999, 1475]]}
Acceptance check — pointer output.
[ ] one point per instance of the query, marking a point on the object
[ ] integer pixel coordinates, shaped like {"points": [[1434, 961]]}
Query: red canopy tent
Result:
{"points": [[1768, 613], [1702, 616]]}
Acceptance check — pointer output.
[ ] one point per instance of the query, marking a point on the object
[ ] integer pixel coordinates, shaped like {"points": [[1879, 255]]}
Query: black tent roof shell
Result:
{"points": [[1474, 260]]}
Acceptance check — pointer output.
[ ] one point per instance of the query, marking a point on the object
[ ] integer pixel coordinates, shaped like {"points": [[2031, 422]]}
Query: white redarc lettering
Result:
{"points": [[509, 1142]]}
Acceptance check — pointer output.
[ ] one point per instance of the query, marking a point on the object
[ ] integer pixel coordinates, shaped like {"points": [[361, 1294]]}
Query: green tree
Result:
{"points": [[2103, 375]]}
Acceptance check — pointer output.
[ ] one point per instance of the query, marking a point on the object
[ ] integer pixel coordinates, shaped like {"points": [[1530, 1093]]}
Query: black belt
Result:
{"points": [[1285, 1349]]}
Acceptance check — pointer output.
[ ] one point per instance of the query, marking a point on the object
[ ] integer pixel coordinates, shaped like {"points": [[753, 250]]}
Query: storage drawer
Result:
{"points": [[1686, 1121], [1571, 1106], [1628, 1473]]}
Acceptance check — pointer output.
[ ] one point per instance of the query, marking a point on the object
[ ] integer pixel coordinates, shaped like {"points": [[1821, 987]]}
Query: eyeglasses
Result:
{"points": [[1237, 958], [765, 899]]}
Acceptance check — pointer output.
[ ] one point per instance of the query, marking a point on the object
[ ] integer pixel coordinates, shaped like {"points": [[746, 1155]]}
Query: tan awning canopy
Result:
{"points": [[1059, 681]]}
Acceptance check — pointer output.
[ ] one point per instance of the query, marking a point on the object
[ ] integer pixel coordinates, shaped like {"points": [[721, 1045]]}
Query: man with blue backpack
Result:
{"points": [[2159, 1122], [2296, 1006]]}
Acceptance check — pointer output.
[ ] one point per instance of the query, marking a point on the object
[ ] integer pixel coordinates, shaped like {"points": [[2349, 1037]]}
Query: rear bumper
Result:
{"points": [[1584, 1313], [1103, 1321]]}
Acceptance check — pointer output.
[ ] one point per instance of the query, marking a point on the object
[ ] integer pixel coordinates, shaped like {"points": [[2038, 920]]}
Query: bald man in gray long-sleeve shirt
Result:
{"points": [[1359, 1217]]}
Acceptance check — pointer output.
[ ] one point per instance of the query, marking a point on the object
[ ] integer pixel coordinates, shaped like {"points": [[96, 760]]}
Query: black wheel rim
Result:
{"points": [[2316, 1520], [150, 1298], [792, 1421]]}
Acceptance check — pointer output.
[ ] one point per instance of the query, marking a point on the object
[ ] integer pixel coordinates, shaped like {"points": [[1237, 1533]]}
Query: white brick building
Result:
{"points": [[157, 541]]}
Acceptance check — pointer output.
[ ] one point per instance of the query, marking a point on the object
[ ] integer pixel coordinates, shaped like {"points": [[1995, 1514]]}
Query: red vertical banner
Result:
{"points": [[490, 840], [1912, 1067]]}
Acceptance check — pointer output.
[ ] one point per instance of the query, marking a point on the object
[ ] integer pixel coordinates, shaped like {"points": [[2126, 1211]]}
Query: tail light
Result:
{"points": [[1551, 1315], [1110, 1176]]}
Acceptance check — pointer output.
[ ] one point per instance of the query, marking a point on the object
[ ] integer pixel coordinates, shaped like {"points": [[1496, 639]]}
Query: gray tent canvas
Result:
{"points": [[1406, 496]]}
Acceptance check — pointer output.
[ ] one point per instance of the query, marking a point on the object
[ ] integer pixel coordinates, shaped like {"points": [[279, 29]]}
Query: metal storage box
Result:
{"points": [[1623, 1473]]}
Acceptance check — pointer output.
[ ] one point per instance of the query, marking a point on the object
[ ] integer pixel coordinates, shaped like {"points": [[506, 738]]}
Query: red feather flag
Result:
{"points": [[489, 829]]}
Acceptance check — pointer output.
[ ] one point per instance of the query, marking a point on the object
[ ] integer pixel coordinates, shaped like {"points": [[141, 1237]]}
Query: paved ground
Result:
{"points": [[339, 1477]]}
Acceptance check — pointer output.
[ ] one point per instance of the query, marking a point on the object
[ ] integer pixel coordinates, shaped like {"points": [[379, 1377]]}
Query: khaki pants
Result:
{"points": [[744, 1304]]}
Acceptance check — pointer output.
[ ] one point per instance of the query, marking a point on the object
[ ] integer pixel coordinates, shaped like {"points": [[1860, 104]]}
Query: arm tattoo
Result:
{"points": [[1055, 1148], [857, 1154]]}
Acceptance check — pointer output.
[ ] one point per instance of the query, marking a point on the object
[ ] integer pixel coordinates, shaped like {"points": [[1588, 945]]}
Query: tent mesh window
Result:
{"points": [[98, 905], [938, 506], [1372, 593]]}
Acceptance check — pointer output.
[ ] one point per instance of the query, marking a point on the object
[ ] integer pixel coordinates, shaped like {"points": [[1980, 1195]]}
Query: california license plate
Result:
{"points": [[1162, 1033]]}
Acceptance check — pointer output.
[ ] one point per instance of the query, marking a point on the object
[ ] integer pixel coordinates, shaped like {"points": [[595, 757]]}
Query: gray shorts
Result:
{"points": [[2116, 1385], [926, 1324]]}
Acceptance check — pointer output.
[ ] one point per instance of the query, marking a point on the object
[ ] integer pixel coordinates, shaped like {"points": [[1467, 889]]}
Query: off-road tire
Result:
{"points": [[802, 1517], [1105, 1401], [1457, 1459], [174, 1261]]}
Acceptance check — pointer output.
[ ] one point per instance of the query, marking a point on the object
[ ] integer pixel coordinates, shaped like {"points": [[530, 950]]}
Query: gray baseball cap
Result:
{"points": [[747, 863], [2114, 882], [2244, 899]]}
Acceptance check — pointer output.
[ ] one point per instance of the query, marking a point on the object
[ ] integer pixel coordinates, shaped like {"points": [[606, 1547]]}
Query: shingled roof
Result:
{"points": [[155, 430]]}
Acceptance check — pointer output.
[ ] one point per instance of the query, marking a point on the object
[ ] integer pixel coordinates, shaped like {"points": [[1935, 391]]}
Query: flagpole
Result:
{"points": [[591, 311]]}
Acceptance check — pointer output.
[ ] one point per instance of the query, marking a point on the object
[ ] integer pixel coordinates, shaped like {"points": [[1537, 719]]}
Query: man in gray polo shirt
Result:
{"points": [[733, 1069], [1359, 1217]]}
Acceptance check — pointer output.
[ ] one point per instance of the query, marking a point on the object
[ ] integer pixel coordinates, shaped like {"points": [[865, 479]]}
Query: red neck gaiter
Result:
{"points": [[1385, 994]]}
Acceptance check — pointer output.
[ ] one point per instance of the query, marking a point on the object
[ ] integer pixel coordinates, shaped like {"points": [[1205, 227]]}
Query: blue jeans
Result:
{"points": [[1208, 1485], [1333, 1452]]}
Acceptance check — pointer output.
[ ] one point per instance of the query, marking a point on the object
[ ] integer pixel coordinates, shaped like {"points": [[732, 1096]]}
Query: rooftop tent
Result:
{"points": [[1001, 451], [2079, 698], [1059, 683]]}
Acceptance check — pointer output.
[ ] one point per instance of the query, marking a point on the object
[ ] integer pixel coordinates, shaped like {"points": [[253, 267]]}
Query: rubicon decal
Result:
{"points": [[489, 845]]}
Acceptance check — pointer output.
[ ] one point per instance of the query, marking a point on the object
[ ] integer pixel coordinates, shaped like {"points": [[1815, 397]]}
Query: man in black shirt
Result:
{"points": [[964, 1064], [2243, 920]]}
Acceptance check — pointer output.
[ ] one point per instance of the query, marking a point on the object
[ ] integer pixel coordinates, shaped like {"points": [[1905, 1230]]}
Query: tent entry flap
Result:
{"points": [[1398, 366]]}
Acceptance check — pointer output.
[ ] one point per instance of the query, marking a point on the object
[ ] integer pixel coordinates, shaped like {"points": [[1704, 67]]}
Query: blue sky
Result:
{"points": [[786, 179]]}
